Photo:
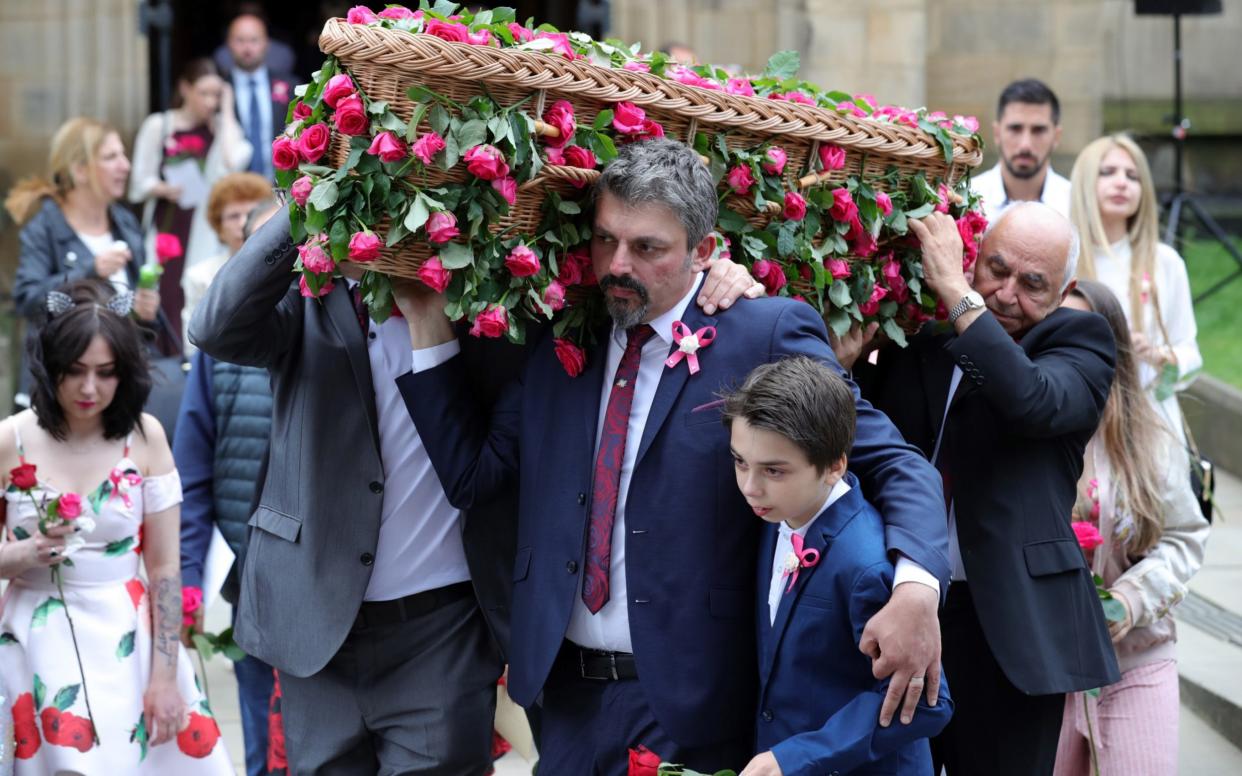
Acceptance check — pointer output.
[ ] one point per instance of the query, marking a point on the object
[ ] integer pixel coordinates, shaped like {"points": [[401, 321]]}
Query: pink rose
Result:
{"points": [[893, 279], [872, 305], [970, 248], [843, 207], [339, 87], [480, 38], [442, 227], [570, 271], [351, 116], [70, 506], [561, 116], [740, 86], [364, 247], [795, 206], [191, 602], [572, 357], [651, 129], [284, 154], [864, 242], [970, 123], [434, 275], [520, 34], [301, 190], [554, 295], [628, 118], [555, 156], [522, 262], [387, 147], [492, 322], [774, 160], [634, 66], [324, 290], [192, 145], [427, 146], [1088, 535], [313, 142], [770, 274], [869, 99], [486, 162], [944, 197], [831, 157], [314, 257], [167, 246], [740, 179], [838, 268], [453, 32], [884, 203], [560, 44], [399, 12], [577, 156], [850, 109], [301, 112], [507, 187], [798, 97], [360, 14]]}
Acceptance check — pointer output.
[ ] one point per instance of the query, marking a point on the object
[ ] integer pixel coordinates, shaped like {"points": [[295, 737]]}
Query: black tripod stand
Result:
{"points": [[1182, 199]]}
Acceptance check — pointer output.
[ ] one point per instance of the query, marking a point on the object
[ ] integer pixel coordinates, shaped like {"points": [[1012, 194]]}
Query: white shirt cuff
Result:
{"points": [[909, 571], [429, 358]]}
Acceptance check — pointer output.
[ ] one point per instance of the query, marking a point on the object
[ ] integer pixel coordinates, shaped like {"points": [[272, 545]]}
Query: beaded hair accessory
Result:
{"points": [[59, 302]]}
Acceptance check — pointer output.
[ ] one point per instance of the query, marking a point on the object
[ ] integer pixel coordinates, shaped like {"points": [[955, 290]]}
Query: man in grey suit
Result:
{"points": [[369, 593]]}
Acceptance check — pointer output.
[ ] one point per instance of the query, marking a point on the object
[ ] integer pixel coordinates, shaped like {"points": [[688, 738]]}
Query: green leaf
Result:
{"points": [[894, 332], [1114, 610], [419, 94], [139, 735], [203, 645], [378, 107], [603, 119], [65, 698], [338, 239], [471, 134], [456, 255], [324, 195], [839, 294], [417, 215], [921, 211], [786, 245], [392, 122], [439, 120], [783, 64], [126, 646], [569, 208], [411, 130], [603, 147], [20, 533], [451, 152], [119, 547], [45, 610], [351, 162], [730, 221], [1094, 692], [40, 690]]}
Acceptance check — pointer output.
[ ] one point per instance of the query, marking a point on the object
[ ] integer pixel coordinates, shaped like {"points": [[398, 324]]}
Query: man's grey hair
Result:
{"points": [[1075, 245], [664, 172]]}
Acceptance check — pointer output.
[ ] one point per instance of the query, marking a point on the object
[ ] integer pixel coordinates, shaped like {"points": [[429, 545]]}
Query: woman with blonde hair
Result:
{"points": [[1149, 537], [1113, 204], [72, 226]]}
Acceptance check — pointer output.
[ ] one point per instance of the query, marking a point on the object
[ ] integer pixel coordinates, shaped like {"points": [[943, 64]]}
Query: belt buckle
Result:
{"points": [[612, 667]]}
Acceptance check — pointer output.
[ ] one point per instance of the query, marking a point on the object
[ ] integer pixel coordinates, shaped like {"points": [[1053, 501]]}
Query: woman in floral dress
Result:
{"points": [[88, 649]]}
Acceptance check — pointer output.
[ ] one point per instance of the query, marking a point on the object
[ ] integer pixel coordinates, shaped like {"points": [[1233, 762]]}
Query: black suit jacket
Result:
{"points": [[1012, 454]]}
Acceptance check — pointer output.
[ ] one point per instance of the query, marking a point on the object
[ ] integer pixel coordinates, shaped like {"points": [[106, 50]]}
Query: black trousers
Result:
{"points": [[996, 728]]}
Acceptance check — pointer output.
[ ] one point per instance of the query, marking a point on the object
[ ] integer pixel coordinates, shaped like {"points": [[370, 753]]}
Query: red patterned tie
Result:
{"points": [[608, 470]]}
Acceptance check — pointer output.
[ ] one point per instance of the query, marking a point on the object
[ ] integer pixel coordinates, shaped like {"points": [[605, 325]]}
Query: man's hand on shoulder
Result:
{"points": [[725, 283], [903, 641]]}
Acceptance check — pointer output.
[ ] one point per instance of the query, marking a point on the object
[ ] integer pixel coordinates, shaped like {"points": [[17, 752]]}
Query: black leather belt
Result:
{"points": [[374, 614], [596, 664]]}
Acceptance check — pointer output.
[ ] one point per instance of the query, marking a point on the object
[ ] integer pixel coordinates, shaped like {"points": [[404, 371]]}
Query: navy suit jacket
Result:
{"points": [[819, 703], [690, 537]]}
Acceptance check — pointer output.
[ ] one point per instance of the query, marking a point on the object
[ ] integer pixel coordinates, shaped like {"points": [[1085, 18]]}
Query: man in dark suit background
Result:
{"points": [[261, 96], [634, 581], [1003, 403]]}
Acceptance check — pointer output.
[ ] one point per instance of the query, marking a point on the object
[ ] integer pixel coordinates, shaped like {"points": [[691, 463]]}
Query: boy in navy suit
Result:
{"points": [[823, 572]]}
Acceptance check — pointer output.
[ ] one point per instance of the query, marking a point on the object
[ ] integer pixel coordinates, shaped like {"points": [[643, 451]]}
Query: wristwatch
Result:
{"points": [[971, 301]]}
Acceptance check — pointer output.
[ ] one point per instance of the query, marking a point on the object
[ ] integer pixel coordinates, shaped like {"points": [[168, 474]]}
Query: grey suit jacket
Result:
{"points": [[318, 513]]}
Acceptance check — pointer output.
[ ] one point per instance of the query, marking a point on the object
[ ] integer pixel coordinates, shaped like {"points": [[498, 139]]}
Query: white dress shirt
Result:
{"points": [[784, 546], [991, 186], [420, 544]]}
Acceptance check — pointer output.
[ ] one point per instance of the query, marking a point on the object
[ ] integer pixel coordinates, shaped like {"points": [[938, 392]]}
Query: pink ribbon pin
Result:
{"points": [[807, 558], [122, 481], [688, 344]]}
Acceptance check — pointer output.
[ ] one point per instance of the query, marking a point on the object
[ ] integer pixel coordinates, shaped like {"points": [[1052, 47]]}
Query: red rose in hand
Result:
{"points": [[70, 506], [561, 116], [486, 162], [199, 737], [167, 247], [51, 718], [573, 360], [1087, 534], [492, 322], [351, 117], [25, 730], [643, 762], [23, 477], [76, 732], [313, 142], [284, 154], [434, 275]]}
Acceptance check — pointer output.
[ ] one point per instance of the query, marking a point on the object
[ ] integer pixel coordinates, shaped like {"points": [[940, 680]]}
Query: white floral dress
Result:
{"points": [[112, 620]]}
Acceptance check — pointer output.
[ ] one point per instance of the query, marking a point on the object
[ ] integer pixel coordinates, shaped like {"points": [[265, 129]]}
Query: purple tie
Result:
{"points": [[608, 470]]}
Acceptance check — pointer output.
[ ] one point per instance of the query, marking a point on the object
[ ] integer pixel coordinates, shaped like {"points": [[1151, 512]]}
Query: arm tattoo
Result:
{"points": [[167, 618]]}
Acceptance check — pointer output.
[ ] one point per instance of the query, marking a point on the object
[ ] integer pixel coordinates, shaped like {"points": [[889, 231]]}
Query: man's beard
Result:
{"points": [[624, 315], [1040, 165]]}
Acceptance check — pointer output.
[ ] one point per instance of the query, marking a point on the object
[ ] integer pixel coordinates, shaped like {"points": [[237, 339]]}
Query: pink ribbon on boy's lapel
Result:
{"points": [[807, 557], [688, 344]]}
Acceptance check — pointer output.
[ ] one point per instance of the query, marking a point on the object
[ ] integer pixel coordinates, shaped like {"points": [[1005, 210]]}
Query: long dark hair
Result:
{"points": [[61, 340]]}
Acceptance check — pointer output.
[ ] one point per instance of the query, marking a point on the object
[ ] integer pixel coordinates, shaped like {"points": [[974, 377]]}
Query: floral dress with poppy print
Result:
{"points": [[112, 620]]}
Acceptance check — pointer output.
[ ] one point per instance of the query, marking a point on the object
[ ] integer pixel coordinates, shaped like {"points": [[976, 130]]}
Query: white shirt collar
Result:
{"points": [[663, 325], [838, 490]]}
